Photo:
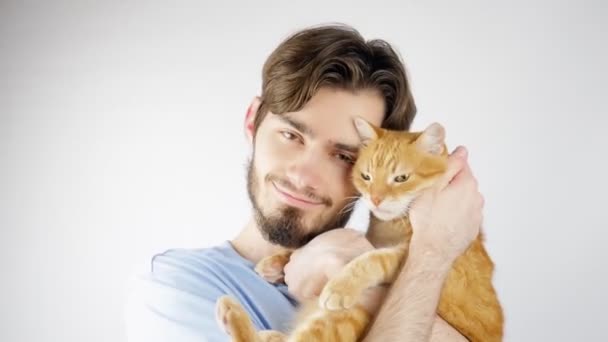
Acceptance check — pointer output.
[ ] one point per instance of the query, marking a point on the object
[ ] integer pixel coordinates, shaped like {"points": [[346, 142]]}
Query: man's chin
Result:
{"points": [[285, 237], [292, 227], [283, 229]]}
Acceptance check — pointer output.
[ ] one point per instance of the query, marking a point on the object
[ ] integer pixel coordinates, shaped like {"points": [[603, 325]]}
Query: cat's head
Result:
{"points": [[393, 167]]}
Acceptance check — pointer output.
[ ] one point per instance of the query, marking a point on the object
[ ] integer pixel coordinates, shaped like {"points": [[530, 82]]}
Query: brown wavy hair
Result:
{"points": [[335, 56]]}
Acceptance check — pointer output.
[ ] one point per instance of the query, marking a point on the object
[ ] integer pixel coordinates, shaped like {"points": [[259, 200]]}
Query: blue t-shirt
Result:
{"points": [[175, 301]]}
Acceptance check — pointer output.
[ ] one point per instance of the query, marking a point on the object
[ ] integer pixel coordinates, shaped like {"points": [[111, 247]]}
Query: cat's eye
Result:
{"points": [[365, 176], [401, 178]]}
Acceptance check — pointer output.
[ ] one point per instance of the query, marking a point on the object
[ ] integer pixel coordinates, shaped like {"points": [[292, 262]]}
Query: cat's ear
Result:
{"points": [[367, 132], [432, 139]]}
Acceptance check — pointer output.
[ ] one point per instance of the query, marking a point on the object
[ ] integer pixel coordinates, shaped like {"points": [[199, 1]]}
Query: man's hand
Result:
{"points": [[311, 266], [447, 218]]}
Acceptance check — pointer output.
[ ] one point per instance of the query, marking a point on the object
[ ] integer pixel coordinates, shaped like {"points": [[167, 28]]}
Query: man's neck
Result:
{"points": [[250, 244]]}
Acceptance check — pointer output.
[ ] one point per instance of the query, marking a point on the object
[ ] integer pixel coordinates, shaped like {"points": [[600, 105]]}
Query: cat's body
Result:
{"points": [[392, 169]]}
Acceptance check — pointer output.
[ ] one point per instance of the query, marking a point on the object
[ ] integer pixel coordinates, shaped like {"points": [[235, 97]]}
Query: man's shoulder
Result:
{"points": [[175, 294], [188, 259], [196, 267]]}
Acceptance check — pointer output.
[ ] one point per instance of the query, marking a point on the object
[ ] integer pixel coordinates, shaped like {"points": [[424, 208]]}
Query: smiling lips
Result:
{"points": [[294, 199]]}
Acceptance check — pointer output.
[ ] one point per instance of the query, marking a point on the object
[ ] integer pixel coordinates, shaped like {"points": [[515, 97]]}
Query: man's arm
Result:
{"points": [[442, 331], [332, 250], [409, 309]]}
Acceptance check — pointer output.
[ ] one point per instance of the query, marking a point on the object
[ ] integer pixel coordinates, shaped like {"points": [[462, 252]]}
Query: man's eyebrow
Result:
{"points": [[354, 149], [296, 124], [304, 129]]}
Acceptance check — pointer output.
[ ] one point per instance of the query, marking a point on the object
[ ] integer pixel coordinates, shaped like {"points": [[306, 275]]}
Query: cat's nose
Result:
{"points": [[376, 199]]}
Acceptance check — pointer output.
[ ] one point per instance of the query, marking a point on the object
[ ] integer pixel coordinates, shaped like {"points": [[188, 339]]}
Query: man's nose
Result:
{"points": [[305, 171]]}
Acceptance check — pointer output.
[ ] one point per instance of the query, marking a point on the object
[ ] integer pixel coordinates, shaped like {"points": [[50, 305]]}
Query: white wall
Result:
{"points": [[110, 113]]}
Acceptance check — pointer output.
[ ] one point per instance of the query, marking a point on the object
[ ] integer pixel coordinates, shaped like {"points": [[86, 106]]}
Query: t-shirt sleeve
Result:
{"points": [[172, 303]]}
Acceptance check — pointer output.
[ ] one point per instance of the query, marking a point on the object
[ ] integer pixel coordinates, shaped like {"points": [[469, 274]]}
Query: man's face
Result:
{"points": [[299, 176]]}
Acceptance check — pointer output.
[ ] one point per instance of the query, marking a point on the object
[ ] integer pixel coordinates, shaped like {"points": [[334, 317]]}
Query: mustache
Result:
{"points": [[307, 193]]}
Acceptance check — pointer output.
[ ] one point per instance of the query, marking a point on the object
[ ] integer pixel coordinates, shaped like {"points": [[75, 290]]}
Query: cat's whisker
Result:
{"points": [[352, 197], [344, 210], [348, 206], [403, 212]]}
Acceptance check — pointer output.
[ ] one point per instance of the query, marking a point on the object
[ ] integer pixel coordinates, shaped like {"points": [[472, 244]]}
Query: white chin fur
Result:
{"points": [[384, 215], [391, 210]]}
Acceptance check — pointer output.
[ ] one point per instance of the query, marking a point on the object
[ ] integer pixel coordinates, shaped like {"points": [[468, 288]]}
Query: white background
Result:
{"points": [[112, 112]]}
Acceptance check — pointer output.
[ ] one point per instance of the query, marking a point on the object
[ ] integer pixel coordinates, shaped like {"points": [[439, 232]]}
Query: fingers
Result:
{"points": [[460, 151], [467, 185], [456, 162], [288, 267], [464, 175], [464, 178]]}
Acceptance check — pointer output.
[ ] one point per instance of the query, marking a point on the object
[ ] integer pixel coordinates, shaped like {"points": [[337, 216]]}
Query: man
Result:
{"points": [[304, 145]]}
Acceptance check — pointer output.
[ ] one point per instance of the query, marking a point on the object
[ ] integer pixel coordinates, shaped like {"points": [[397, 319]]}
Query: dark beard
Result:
{"points": [[285, 228]]}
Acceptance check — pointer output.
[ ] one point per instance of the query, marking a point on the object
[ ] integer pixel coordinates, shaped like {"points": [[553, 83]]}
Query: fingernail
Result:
{"points": [[462, 151]]}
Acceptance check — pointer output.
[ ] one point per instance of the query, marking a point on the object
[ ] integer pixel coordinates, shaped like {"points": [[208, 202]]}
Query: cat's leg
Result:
{"points": [[469, 301], [235, 321], [376, 267], [271, 336], [271, 267], [335, 326]]}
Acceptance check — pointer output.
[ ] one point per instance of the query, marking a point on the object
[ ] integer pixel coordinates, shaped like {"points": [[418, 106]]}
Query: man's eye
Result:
{"points": [[346, 158], [288, 135]]}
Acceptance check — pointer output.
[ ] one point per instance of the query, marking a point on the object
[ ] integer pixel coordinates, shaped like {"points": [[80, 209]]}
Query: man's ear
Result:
{"points": [[252, 111]]}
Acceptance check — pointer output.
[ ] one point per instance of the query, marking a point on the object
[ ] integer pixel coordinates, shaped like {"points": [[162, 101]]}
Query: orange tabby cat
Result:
{"points": [[392, 169]]}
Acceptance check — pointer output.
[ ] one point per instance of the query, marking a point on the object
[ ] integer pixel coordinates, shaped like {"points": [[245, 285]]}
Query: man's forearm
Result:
{"points": [[409, 310]]}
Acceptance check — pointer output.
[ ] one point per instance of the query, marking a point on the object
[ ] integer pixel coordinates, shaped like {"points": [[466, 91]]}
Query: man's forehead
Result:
{"points": [[330, 114], [367, 103], [339, 133]]}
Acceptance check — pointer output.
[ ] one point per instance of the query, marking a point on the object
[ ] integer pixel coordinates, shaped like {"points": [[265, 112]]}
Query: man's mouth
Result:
{"points": [[294, 199]]}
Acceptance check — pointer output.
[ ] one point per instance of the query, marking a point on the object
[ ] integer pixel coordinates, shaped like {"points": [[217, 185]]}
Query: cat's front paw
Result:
{"points": [[227, 312], [339, 294], [271, 268]]}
